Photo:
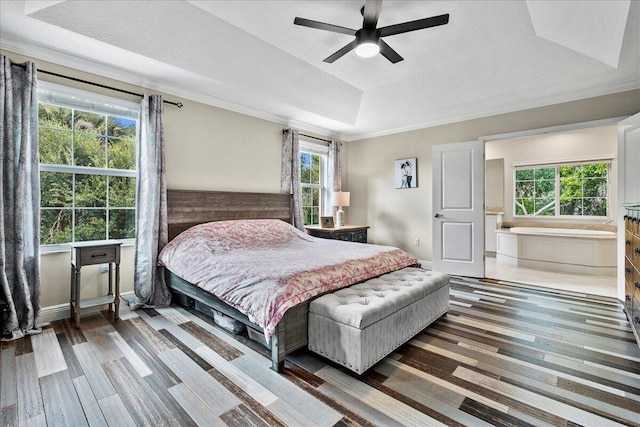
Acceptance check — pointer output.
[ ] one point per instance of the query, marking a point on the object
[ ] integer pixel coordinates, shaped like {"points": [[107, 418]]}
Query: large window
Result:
{"points": [[562, 190], [87, 167], [313, 159]]}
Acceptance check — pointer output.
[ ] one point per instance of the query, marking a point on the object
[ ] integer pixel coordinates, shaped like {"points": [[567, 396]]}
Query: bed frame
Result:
{"points": [[186, 208]]}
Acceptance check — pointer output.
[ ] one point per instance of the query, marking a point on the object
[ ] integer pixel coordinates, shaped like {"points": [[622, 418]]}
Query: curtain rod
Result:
{"points": [[177, 104], [309, 136]]}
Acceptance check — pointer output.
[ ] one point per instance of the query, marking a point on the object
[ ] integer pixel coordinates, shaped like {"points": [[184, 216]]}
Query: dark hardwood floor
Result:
{"points": [[505, 354]]}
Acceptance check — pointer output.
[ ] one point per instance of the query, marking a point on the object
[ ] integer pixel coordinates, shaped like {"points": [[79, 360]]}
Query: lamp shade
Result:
{"points": [[341, 198]]}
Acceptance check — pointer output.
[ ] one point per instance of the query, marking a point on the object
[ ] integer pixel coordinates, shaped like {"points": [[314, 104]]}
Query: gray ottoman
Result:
{"points": [[358, 326]]}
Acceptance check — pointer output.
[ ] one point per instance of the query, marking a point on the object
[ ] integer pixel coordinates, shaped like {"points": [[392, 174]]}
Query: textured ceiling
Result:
{"points": [[247, 56]]}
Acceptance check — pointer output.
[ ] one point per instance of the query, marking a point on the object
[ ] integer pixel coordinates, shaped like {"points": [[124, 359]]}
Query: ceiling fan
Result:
{"points": [[368, 40]]}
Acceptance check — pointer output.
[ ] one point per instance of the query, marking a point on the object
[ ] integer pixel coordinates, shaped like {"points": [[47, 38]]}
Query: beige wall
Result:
{"points": [[600, 142], [494, 183], [209, 148], [399, 217]]}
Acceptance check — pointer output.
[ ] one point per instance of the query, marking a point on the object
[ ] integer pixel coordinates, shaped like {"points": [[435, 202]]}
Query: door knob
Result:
{"points": [[438, 216]]}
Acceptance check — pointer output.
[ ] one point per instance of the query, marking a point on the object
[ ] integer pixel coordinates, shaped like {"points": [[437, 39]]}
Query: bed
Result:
{"points": [[216, 239]]}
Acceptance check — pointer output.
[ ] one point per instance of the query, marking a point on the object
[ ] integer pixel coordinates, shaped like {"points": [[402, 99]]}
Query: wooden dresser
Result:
{"points": [[632, 267], [347, 233]]}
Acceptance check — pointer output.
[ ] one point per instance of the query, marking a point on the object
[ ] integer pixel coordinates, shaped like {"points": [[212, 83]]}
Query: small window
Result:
{"points": [[577, 190], [584, 190], [535, 192], [313, 159], [87, 167]]}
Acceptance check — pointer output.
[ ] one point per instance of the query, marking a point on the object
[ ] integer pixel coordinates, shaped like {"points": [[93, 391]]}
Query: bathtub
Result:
{"points": [[591, 252]]}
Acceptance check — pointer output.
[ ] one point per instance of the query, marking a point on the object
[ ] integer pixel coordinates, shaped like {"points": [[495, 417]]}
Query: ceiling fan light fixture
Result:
{"points": [[368, 42], [367, 49]]}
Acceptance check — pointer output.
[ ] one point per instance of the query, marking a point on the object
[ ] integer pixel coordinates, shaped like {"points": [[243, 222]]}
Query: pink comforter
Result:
{"points": [[264, 267]]}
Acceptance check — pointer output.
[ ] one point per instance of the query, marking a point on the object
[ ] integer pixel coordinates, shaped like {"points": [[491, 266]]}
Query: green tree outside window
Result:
{"points": [[85, 195], [311, 183], [565, 190]]}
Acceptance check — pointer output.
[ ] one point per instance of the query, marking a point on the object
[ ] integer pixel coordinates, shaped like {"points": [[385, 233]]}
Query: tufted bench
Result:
{"points": [[360, 325]]}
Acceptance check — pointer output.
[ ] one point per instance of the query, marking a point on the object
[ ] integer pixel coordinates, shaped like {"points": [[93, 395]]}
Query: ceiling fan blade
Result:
{"points": [[418, 24], [371, 13], [389, 53], [341, 52], [323, 26]]}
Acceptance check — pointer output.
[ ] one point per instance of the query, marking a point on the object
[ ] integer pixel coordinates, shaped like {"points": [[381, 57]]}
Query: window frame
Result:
{"points": [[322, 151], [557, 207], [67, 97]]}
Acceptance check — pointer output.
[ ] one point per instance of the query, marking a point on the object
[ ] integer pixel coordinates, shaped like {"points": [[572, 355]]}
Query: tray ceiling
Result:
{"points": [[247, 56]]}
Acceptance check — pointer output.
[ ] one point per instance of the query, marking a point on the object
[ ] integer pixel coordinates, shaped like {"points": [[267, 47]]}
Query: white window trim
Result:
{"points": [[312, 147], [85, 170], [557, 164], [51, 93], [81, 99]]}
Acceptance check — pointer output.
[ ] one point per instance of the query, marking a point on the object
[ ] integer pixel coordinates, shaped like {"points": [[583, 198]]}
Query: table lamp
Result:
{"points": [[340, 199]]}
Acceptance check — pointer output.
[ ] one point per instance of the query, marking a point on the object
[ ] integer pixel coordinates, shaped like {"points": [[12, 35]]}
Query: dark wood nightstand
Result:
{"points": [[347, 233], [92, 253]]}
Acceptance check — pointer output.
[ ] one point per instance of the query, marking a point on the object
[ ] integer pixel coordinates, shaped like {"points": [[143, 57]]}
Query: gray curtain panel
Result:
{"points": [[290, 173], [334, 178], [151, 213], [20, 200]]}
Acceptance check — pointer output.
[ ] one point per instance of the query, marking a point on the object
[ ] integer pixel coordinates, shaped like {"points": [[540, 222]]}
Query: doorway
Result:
{"points": [[576, 144]]}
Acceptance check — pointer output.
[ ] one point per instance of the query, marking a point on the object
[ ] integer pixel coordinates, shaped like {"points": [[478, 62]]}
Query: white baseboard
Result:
{"points": [[62, 311]]}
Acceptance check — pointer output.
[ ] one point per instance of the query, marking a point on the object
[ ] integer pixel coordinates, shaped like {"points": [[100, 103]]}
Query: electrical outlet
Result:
{"points": [[104, 268], [417, 242]]}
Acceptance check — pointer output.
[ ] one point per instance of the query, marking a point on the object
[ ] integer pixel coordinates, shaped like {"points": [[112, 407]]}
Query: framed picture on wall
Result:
{"points": [[326, 221], [406, 173]]}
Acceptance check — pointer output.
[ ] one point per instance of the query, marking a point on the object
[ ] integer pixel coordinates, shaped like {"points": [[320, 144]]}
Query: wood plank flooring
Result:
{"points": [[505, 354]]}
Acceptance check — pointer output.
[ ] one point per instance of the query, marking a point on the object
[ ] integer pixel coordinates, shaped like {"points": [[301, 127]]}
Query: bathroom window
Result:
{"points": [[567, 190], [535, 192]]}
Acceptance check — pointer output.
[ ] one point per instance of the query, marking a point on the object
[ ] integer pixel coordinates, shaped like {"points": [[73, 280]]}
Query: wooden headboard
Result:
{"points": [[186, 208]]}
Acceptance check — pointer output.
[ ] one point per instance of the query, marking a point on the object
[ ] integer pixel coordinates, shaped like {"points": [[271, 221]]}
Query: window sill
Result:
{"points": [[562, 217]]}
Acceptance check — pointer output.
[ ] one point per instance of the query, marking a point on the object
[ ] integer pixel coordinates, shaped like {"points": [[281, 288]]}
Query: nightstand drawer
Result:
{"points": [[89, 256], [359, 236], [346, 233]]}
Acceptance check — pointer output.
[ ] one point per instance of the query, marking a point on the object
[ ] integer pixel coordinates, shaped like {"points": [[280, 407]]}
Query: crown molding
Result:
{"points": [[541, 102]]}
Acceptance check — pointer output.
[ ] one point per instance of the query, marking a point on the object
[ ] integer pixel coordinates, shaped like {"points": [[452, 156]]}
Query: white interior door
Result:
{"points": [[458, 208]]}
